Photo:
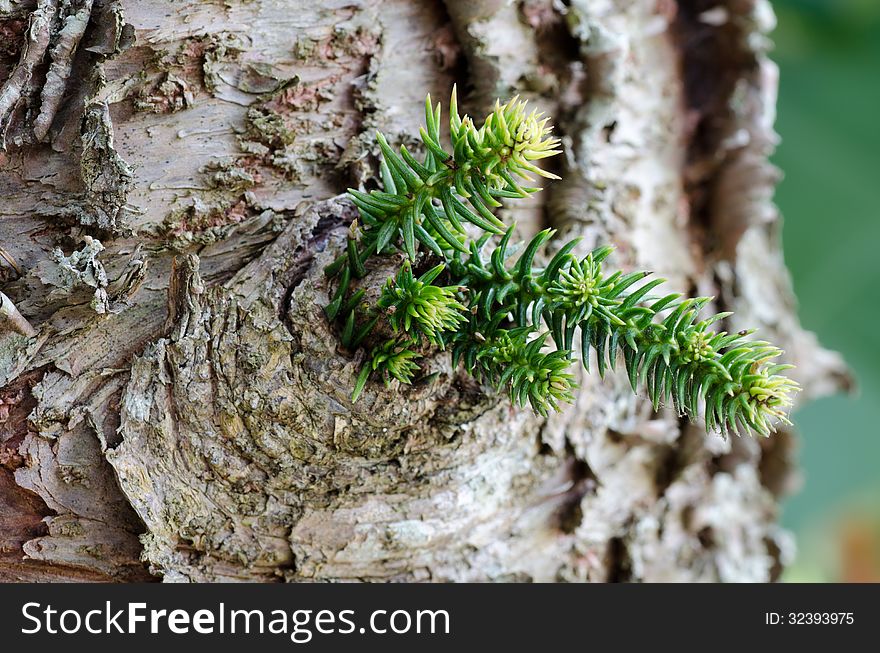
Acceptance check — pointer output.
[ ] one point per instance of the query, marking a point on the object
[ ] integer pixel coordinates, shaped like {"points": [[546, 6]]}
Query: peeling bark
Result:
{"points": [[69, 36], [36, 42], [173, 403]]}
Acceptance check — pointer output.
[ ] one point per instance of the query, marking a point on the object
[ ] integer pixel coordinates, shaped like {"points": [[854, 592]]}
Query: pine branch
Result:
{"points": [[426, 203], [678, 359], [497, 312]]}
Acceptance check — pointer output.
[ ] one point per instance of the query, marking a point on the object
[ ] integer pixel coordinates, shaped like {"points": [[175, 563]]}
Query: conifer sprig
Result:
{"points": [[426, 203], [417, 307], [513, 361], [513, 324], [392, 360], [733, 380]]}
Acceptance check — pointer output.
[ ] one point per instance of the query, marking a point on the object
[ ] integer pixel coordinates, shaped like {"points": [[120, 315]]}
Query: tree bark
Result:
{"points": [[174, 403]]}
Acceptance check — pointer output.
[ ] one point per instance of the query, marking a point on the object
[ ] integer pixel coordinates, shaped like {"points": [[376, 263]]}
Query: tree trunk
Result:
{"points": [[174, 403]]}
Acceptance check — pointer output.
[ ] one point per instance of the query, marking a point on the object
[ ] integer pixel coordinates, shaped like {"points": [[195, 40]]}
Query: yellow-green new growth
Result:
{"points": [[503, 148], [415, 306]]}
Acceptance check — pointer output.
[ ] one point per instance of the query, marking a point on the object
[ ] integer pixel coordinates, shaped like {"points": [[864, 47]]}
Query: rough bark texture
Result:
{"points": [[173, 403]]}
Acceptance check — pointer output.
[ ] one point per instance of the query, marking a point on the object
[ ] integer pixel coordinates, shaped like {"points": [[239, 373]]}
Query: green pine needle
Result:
{"points": [[513, 325]]}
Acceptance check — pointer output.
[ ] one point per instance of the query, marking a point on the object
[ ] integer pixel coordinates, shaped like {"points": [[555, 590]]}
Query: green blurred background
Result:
{"points": [[829, 120]]}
